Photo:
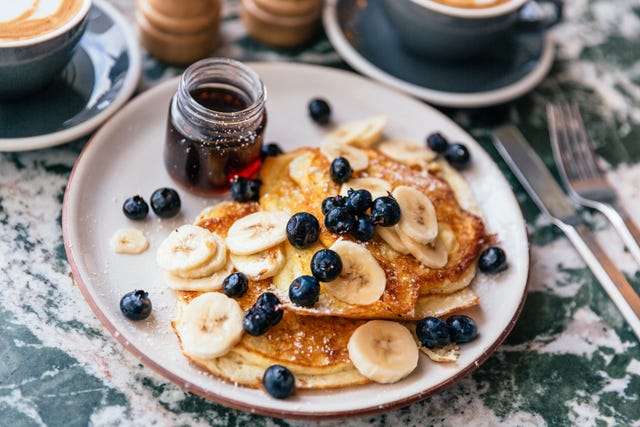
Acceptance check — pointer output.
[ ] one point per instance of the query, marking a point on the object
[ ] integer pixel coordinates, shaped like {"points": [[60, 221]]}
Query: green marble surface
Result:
{"points": [[570, 360]]}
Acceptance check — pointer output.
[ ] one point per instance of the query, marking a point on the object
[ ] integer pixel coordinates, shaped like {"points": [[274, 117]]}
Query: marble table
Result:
{"points": [[570, 360]]}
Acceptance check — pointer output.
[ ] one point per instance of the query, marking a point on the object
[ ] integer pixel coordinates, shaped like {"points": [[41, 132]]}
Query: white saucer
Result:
{"points": [[362, 35], [133, 141], [100, 78]]}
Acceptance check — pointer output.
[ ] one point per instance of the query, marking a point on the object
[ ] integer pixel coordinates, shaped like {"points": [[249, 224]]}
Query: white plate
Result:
{"points": [[124, 158], [100, 78]]}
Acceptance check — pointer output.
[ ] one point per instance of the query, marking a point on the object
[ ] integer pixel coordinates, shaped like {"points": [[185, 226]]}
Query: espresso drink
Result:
{"points": [[471, 4], [25, 19]]}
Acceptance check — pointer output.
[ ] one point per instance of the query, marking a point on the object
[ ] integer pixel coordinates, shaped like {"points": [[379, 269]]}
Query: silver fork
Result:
{"points": [[576, 160]]}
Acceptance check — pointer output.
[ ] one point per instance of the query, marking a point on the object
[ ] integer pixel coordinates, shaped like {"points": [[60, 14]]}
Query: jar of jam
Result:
{"points": [[216, 126]]}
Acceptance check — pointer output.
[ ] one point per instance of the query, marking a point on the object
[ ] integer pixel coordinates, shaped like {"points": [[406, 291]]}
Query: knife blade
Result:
{"points": [[558, 209]]}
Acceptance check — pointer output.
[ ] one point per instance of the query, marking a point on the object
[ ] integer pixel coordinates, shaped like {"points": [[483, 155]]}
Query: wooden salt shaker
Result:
{"points": [[179, 31], [282, 23]]}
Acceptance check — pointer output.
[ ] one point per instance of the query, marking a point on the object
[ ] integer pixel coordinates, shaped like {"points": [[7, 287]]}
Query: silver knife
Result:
{"points": [[555, 205]]}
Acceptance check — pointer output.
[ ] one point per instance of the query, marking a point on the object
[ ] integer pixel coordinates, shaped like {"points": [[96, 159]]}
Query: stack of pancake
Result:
{"points": [[313, 341]]}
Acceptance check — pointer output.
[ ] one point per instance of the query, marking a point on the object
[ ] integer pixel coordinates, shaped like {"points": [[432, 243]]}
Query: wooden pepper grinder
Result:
{"points": [[179, 31], [282, 23]]}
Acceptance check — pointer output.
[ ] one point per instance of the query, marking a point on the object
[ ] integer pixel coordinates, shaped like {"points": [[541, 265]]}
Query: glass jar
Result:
{"points": [[216, 126]]}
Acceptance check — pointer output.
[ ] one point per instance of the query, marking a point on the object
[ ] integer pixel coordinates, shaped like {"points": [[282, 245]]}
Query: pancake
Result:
{"points": [[312, 342], [313, 348], [299, 181]]}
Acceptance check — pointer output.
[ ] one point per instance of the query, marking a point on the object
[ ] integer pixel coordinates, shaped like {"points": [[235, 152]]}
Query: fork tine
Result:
{"points": [[584, 143], [560, 142], [572, 142]]}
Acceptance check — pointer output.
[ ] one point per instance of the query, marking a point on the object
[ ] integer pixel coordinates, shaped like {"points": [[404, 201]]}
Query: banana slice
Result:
{"points": [[362, 280], [218, 261], [260, 266], [434, 255], [407, 152], [186, 248], [376, 186], [297, 263], [391, 237], [362, 133], [129, 241], [299, 169], [418, 220], [447, 354], [358, 159], [257, 232], [203, 284], [210, 325], [383, 351]]}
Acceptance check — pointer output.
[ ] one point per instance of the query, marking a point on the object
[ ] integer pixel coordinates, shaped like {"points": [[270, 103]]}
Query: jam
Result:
{"points": [[215, 129]]}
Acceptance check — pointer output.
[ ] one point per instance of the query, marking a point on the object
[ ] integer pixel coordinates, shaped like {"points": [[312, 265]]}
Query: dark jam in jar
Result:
{"points": [[216, 126]]}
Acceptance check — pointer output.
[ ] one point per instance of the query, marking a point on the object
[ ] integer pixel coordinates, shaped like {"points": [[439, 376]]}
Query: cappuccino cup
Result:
{"points": [[37, 40], [458, 30]]}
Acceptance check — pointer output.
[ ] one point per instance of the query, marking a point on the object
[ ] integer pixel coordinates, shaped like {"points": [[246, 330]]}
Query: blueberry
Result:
{"points": [[136, 305], [332, 202], [340, 170], [340, 220], [320, 111], [326, 265], [385, 211], [235, 284], [135, 208], [256, 321], [463, 328], [165, 202], [278, 381], [358, 201], [433, 332], [436, 142], [303, 230], [271, 149], [304, 291], [364, 229], [492, 260], [269, 303], [457, 156], [245, 190]]}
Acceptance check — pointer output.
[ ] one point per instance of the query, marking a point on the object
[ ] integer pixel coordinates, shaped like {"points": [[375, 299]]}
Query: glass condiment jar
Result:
{"points": [[216, 124]]}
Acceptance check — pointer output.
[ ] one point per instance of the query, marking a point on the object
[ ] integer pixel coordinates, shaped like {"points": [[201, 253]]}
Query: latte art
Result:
{"points": [[472, 4], [24, 19]]}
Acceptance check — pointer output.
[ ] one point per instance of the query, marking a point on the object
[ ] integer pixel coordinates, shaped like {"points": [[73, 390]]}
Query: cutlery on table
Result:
{"points": [[582, 177], [556, 206]]}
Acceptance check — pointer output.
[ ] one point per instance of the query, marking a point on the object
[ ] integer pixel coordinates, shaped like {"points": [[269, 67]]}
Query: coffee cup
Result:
{"points": [[37, 40], [458, 30]]}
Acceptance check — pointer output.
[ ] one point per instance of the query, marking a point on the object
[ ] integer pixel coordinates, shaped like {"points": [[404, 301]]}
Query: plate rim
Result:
{"points": [[81, 129], [437, 97], [232, 403]]}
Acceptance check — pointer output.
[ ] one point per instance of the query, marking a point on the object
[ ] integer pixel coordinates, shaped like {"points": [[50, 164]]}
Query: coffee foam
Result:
{"points": [[472, 4], [23, 19]]}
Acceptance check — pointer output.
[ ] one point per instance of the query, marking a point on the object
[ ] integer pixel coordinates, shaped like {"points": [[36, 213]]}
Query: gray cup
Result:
{"points": [[27, 66], [448, 33]]}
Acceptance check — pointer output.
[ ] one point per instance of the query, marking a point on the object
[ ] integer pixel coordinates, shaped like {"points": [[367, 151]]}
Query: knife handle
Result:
{"points": [[609, 276], [629, 232]]}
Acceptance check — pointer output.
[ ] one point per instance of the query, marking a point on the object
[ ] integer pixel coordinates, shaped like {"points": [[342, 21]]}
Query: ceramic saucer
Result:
{"points": [[100, 78], [363, 36]]}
